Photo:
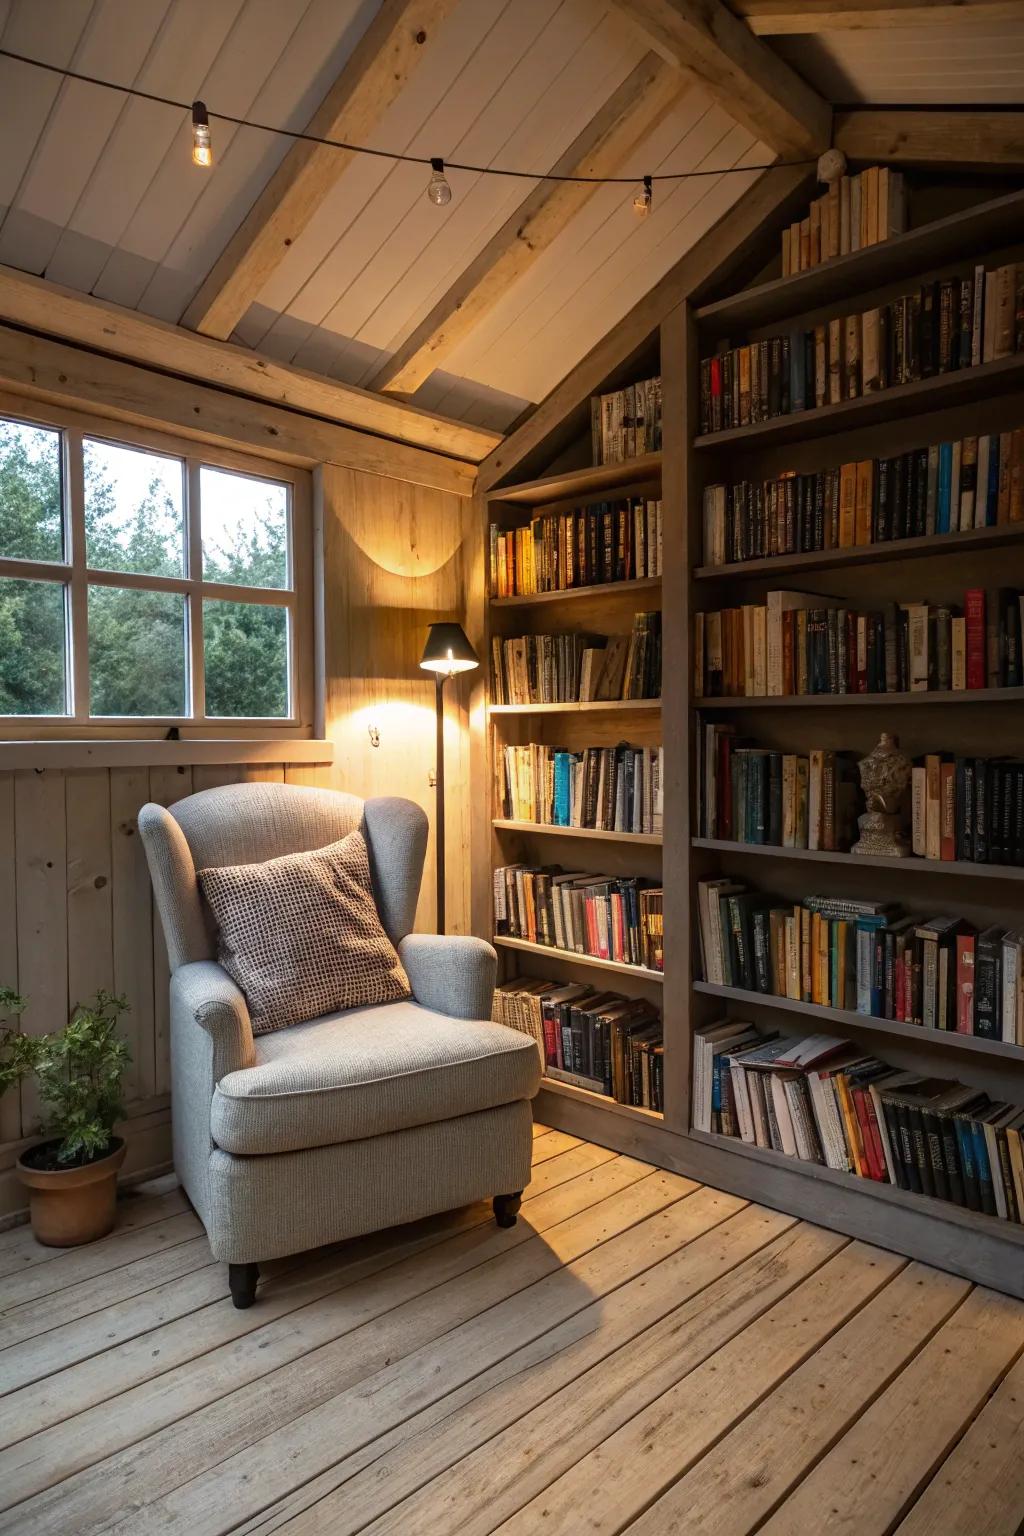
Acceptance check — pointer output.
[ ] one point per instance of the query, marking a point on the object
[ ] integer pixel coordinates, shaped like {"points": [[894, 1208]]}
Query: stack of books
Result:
{"points": [[607, 916], [596, 1040], [854, 212], [583, 547], [976, 482], [866, 957], [807, 643], [749, 794], [627, 422], [955, 323], [609, 789], [578, 668], [823, 1101]]}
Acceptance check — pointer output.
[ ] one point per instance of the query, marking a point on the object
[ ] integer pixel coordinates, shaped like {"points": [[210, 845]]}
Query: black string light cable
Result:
{"points": [[438, 189]]}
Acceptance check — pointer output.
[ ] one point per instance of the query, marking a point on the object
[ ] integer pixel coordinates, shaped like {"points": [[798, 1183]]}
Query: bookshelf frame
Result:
{"points": [[984, 1249]]}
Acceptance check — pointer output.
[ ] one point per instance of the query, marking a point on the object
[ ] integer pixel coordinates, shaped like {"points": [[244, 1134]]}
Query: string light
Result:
{"points": [[202, 146], [644, 198], [395, 156], [438, 188]]}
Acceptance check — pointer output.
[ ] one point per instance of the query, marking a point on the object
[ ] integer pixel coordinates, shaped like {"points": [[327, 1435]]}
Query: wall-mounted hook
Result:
{"points": [[374, 735]]}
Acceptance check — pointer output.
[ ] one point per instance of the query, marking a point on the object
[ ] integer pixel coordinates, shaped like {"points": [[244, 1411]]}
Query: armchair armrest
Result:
{"points": [[453, 975], [203, 995]]}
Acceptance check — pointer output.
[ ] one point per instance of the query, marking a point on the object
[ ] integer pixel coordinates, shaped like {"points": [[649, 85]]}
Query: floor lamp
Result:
{"points": [[446, 652]]}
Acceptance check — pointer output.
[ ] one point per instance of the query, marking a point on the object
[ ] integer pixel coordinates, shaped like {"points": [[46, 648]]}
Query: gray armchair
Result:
{"points": [[355, 1121]]}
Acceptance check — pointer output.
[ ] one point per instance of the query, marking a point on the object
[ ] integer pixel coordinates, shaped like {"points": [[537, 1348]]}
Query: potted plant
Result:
{"points": [[72, 1175]]}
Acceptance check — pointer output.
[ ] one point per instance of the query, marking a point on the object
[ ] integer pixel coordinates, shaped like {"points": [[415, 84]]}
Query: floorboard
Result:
{"points": [[638, 1354]]}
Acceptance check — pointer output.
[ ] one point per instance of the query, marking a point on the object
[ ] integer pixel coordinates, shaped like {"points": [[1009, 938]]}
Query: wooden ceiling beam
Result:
{"points": [[932, 136], [374, 76], [774, 18], [46, 308], [608, 141], [757, 88]]}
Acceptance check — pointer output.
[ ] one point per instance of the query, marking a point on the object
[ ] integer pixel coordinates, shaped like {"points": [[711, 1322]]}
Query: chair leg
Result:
{"points": [[242, 1279], [506, 1208]]}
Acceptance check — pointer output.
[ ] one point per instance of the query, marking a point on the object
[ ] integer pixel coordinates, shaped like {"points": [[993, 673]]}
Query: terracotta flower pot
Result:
{"points": [[73, 1205]]}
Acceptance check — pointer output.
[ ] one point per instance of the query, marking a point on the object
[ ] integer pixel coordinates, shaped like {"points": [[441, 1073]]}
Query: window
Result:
{"points": [[143, 585]]}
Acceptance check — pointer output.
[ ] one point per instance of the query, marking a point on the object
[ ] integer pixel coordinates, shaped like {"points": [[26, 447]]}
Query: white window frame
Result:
{"points": [[76, 577]]}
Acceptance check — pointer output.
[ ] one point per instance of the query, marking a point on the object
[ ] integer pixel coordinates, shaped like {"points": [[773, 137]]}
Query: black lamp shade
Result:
{"points": [[448, 651]]}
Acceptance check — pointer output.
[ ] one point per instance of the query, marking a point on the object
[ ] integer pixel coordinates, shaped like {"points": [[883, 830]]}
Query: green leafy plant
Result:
{"points": [[79, 1072]]}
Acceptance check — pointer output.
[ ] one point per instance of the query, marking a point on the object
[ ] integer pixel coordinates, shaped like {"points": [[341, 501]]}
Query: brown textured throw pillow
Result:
{"points": [[301, 936]]}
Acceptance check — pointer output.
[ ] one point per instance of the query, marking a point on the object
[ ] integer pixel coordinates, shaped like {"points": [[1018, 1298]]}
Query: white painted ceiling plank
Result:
{"points": [[590, 76], [425, 246], [314, 56], [462, 35], [27, 95]]}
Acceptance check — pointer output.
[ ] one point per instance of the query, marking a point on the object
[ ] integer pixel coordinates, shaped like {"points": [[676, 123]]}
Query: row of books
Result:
{"points": [[865, 957], [944, 326], [597, 1040], [855, 211], [977, 482], [749, 794], [823, 1101], [578, 668], [608, 916], [627, 422], [583, 547], [609, 789], [799, 643], [961, 808]]}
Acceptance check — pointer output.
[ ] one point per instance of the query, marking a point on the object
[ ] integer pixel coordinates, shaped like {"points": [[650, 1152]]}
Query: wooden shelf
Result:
{"points": [[876, 700], [501, 824], [595, 706], [580, 482], [921, 866], [967, 234], [594, 962], [846, 1018], [866, 554], [966, 384], [585, 1096], [603, 589], [957, 1215]]}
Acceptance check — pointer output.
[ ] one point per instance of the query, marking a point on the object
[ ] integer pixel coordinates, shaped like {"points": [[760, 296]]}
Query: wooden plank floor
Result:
{"points": [[638, 1354]]}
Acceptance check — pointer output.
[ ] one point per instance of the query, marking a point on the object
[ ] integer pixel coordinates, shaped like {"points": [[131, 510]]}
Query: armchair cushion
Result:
{"points": [[368, 1071], [301, 936]]}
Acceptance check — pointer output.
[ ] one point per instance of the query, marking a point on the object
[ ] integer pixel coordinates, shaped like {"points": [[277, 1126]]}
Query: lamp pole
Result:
{"points": [[440, 679], [446, 652]]}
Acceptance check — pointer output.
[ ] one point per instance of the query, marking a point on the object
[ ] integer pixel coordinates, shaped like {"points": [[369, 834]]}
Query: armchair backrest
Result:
{"points": [[250, 823]]}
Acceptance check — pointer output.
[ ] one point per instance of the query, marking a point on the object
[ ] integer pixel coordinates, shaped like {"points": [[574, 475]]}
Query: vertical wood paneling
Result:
{"points": [[10, 1104], [166, 785], [133, 917], [40, 830], [90, 916], [392, 566], [263, 773]]}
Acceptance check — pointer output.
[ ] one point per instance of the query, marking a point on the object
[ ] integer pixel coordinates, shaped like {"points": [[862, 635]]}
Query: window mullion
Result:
{"points": [[195, 597], [79, 586]]}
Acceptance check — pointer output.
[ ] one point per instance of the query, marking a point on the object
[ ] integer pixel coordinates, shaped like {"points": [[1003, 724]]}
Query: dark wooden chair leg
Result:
{"points": [[506, 1208], [242, 1279]]}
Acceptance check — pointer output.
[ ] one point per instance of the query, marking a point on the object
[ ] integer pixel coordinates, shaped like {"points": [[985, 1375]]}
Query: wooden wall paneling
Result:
{"points": [[166, 785], [393, 565], [41, 872], [10, 1103], [133, 920], [213, 775], [89, 874], [313, 775], [263, 773]]}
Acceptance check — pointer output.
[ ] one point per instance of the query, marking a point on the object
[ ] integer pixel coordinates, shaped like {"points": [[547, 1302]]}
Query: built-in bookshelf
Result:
{"points": [[936, 567]]}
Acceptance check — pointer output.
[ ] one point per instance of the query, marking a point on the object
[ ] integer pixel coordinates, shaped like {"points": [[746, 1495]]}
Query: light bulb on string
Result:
{"points": [[644, 198], [202, 147], [439, 188]]}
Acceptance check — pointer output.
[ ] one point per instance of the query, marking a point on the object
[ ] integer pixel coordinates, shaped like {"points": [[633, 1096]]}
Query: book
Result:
{"points": [[592, 545]]}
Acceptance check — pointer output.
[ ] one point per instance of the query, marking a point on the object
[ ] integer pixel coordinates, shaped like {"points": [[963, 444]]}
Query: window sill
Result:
{"points": [[143, 752]]}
